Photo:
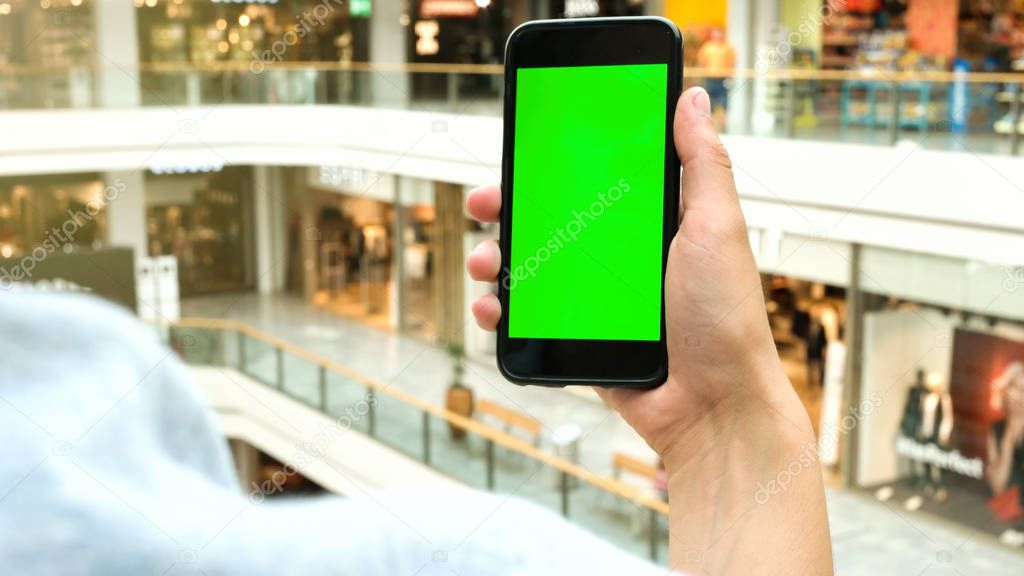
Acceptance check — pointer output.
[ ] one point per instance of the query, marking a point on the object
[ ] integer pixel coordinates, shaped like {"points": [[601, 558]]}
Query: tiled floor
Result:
{"points": [[870, 538]]}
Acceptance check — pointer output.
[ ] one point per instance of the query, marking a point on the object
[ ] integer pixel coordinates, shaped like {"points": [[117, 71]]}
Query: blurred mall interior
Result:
{"points": [[278, 186]]}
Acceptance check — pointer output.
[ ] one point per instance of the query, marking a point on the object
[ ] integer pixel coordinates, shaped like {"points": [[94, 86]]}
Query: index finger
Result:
{"points": [[484, 204]]}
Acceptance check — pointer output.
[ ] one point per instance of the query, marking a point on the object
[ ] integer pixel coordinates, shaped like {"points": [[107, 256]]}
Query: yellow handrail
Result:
{"points": [[498, 69], [478, 428]]}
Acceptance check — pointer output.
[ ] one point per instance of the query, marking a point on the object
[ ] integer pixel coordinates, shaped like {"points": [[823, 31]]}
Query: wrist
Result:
{"points": [[753, 442], [759, 419], [748, 467]]}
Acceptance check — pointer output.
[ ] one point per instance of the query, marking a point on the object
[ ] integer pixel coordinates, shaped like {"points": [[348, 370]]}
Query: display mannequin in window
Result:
{"points": [[928, 419], [910, 423], [936, 428], [1005, 470]]}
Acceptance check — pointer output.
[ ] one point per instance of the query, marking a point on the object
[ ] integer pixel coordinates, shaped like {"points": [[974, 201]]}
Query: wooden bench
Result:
{"points": [[641, 481], [622, 462], [511, 419]]}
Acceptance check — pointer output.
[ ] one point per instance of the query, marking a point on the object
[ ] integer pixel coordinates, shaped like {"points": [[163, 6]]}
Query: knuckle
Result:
{"points": [[722, 228], [718, 155]]}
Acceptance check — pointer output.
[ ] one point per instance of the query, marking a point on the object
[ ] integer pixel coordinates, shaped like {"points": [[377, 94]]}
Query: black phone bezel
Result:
{"points": [[588, 42]]}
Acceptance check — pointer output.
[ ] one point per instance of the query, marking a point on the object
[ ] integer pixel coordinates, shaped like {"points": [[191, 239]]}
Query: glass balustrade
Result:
{"points": [[976, 112], [468, 451]]}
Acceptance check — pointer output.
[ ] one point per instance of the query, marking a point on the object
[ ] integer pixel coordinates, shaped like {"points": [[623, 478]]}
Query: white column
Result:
{"points": [[742, 35], [126, 212], [117, 53], [271, 229], [387, 46], [398, 295], [311, 235]]}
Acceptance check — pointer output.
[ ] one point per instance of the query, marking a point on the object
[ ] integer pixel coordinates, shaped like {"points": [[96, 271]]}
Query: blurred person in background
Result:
{"points": [[717, 57], [1005, 470]]}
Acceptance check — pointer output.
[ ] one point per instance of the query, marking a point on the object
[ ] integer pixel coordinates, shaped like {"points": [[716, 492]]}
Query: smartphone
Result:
{"points": [[590, 192]]}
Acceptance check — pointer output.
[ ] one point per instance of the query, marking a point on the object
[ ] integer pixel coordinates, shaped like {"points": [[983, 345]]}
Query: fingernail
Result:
{"points": [[702, 102]]}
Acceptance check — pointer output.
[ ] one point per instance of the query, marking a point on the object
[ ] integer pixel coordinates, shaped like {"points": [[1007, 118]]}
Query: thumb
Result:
{"points": [[707, 170]]}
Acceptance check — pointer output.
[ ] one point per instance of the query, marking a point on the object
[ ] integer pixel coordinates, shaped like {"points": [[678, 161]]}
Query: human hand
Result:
{"points": [[723, 366], [727, 418]]}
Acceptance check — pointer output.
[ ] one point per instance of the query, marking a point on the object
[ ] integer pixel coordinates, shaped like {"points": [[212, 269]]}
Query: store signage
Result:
{"points": [[426, 37], [581, 8], [945, 459], [360, 8], [448, 9], [343, 177], [107, 273]]}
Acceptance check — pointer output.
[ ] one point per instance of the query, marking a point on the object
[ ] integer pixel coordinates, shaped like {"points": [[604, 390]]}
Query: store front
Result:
{"points": [[942, 379], [239, 41], [919, 35], [459, 32], [476, 31], [807, 321], [203, 32], [387, 250], [354, 257], [58, 212], [46, 54], [911, 36], [204, 219]]}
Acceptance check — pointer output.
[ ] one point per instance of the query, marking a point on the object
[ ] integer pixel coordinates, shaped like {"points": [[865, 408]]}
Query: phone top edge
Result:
{"points": [[585, 22], [592, 21]]}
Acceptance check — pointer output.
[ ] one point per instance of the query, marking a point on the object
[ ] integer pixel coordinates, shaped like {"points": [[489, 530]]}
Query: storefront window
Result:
{"points": [[943, 371], [354, 252], [459, 32], [45, 54], [419, 268], [205, 221], [807, 321], [56, 212], [388, 251], [202, 32], [248, 38]]}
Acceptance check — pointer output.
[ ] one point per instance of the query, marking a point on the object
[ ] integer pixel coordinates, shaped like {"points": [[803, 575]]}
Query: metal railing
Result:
{"points": [[483, 457], [951, 110]]}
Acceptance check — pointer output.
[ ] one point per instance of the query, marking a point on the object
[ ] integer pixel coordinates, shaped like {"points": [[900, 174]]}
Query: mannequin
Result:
{"points": [[910, 423], [1004, 472], [936, 428], [928, 419]]}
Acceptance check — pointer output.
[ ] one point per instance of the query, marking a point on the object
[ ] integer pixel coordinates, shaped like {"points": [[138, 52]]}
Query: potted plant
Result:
{"points": [[459, 397]]}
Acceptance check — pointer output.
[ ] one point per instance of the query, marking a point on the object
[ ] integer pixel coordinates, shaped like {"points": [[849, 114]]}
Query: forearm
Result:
{"points": [[751, 499]]}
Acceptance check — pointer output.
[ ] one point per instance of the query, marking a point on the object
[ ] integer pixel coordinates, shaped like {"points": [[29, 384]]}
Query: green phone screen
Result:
{"points": [[588, 202]]}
